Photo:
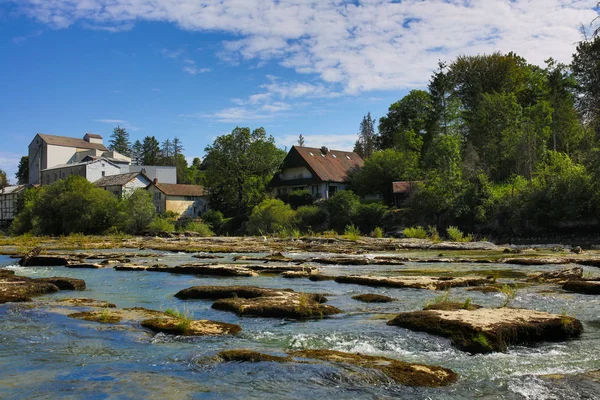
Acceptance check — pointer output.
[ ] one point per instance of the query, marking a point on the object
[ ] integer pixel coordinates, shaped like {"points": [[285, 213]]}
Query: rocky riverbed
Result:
{"points": [[362, 319]]}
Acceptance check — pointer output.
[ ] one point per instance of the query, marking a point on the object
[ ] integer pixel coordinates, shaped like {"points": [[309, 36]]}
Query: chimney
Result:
{"points": [[155, 181], [324, 150]]}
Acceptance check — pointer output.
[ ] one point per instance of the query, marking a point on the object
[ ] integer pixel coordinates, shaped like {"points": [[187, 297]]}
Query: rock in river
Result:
{"points": [[583, 286], [20, 288], [559, 276], [373, 298], [261, 302], [416, 282], [65, 283], [485, 330]]}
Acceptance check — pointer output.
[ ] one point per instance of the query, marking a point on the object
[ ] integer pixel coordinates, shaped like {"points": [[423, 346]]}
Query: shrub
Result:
{"points": [[433, 234], [136, 212], [415, 232], [369, 216], [351, 232], [160, 225], [456, 235], [299, 198], [509, 292], [199, 227], [377, 233], [311, 218], [213, 218], [342, 208], [271, 216]]}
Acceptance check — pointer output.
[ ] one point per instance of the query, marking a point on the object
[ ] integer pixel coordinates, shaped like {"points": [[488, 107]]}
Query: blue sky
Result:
{"points": [[195, 69]]}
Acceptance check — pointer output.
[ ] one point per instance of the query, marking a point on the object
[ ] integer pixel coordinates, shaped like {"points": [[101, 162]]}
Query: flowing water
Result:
{"points": [[48, 355]]}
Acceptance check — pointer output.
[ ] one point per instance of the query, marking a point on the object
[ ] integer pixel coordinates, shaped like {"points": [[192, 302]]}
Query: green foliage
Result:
{"points": [[456, 235], [22, 174], [198, 227], [271, 216], [312, 218], [382, 169], [3, 179], [238, 168], [71, 205], [119, 141], [161, 225], [213, 218], [342, 208], [467, 304], [509, 292], [299, 198], [136, 212], [377, 233], [482, 340], [415, 232], [442, 298], [369, 216], [351, 232], [433, 233]]}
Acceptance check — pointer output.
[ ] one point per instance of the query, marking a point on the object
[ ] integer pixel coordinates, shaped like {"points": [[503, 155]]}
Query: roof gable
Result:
{"points": [[65, 141], [120, 179], [333, 166]]}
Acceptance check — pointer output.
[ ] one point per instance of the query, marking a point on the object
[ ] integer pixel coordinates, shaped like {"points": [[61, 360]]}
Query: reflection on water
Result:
{"points": [[48, 355]]}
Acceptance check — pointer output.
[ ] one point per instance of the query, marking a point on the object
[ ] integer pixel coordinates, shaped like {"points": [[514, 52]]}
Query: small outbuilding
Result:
{"points": [[184, 200], [123, 184]]}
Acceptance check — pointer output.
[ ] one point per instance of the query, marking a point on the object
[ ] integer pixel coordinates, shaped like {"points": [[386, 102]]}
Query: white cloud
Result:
{"points": [[232, 114], [193, 70], [111, 121], [361, 46]]}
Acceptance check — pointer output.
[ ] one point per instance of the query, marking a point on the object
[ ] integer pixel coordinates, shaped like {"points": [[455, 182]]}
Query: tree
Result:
{"points": [[150, 151], [119, 141], [238, 168], [166, 152], [342, 208], [3, 179], [136, 212], [137, 153], [382, 169], [71, 205], [586, 69], [22, 174], [412, 113], [271, 216], [301, 140], [367, 137], [446, 106]]}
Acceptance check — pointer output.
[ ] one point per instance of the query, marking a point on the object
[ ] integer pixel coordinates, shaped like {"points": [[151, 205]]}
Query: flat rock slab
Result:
{"points": [[86, 265], [415, 282], [159, 321], [400, 372], [43, 261], [560, 276], [20, 288], [582, 286], [278, 269], [65, 283], [373, 298], [261, 302], [486, 330], [82, 302], [193, 269]]}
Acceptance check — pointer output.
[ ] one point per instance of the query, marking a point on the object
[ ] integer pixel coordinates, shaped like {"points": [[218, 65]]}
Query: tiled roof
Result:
{"points": [[80, 164], [332, 166], [70, 142], [118, 180], [172, 189], [403, 187], [93, 135]]}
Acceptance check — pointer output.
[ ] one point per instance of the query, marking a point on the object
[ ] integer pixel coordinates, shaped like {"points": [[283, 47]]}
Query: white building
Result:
{"points": [[48, 151], [9, 200], [123, 184], [90, 170]]}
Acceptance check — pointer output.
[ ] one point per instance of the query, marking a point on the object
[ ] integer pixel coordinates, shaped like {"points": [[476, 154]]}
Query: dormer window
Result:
{"points": [[334, 156], [322, 155], [311, 154], [348, 157]]}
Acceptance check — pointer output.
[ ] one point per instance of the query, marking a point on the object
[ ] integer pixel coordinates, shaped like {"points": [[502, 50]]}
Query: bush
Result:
{"points": [[368, 216], [312, 218], [199, 227], [213, 218], [71, 205], [299, 198], [377, 233], [415, 232], [160, 225], [351, 232], [136, 212], [456, 235], [271, 216], [342, 208]]}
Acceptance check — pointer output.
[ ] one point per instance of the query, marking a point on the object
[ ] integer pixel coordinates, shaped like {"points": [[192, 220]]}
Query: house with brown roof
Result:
{"points": [[123, 184], [402, 191], [48, 151], [184, 200], [321, 171]]}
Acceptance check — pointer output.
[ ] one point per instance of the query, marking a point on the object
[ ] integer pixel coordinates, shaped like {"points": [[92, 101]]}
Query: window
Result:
{"points": [[311, 153], [332, 190], [348, 157], [333, 155], [103, 173], [157, 196]]}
